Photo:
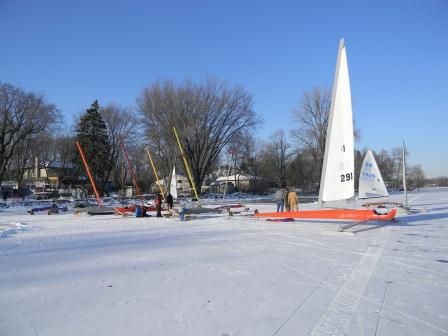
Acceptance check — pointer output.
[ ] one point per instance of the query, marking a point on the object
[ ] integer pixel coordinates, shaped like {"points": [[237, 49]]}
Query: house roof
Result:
{"points": [[51, 164], [57, 164], [238, 177]]}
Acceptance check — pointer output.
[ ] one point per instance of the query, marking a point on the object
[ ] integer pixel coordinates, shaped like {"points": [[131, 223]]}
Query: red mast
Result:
{"points": [[86, 166], [134, 179]]}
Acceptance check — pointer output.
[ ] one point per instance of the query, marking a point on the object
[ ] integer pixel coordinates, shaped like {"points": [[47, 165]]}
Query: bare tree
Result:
{"points": [[141, 165], [252, 163], [385, 165], [416, 176], [301, 172], [441, 181], [206, 115], [65, 149], [24, 153], [120, 123], [277, 157], [22, 116], [241, 152], [312, 116]]}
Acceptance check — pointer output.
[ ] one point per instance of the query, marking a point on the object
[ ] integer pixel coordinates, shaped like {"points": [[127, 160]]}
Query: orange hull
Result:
{"points": [[131, 209], [341, 214]]}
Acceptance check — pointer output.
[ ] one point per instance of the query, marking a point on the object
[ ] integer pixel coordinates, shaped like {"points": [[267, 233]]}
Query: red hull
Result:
{"points": [[131, 209], [341, 214]]}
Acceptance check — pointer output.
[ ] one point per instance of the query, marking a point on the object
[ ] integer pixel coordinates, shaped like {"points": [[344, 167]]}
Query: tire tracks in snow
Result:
{"points": [[335, 320]]}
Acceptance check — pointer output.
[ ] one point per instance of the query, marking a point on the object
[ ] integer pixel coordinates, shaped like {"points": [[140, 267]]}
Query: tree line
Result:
{"points": [[216, 123]]}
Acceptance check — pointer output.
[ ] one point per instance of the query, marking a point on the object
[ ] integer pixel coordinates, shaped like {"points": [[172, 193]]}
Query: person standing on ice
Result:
{"points": [[293, 201], [169, 201], [287, 205], [158, 202], [280, 199]]}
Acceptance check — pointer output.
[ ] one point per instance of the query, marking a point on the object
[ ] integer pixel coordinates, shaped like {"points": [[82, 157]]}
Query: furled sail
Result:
{"points": [[173, 184]]}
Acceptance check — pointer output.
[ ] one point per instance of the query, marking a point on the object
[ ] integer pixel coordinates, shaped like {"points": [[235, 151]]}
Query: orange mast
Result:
{"points": [[86, 166]]}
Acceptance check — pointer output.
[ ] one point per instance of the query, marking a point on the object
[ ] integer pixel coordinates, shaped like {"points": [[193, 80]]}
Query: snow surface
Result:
{"points": [[217, 275]]}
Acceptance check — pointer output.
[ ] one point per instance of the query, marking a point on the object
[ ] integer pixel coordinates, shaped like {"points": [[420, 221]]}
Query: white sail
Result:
{"points": [[337, 180], [371, 182], [173, 184]]}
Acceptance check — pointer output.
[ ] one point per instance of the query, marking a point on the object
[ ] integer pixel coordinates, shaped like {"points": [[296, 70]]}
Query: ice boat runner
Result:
{"points": [[337, 179]]}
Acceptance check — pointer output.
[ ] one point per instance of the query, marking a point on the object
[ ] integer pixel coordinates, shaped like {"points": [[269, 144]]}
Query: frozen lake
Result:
{"points": [[217, 275]]}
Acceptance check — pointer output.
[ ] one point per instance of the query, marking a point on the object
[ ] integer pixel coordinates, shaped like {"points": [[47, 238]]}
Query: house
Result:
{"points": [[50, 176], [183, 184], [234, 182]]}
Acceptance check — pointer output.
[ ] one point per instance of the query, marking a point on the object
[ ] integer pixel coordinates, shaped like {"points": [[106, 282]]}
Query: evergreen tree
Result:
{"points": [[93, 137]]}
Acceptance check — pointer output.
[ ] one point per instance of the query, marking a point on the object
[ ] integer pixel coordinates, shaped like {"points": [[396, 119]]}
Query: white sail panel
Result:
{"points": [[371, 182], [173, 184], [337, 180]]}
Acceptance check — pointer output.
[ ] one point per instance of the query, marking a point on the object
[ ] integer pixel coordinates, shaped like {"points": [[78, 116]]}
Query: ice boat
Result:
{"points": [[337, 179]]}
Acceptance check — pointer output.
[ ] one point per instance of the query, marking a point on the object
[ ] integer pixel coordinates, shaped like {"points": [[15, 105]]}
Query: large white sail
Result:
{"points": [[337, 180], [173, 184], [371, 182]]}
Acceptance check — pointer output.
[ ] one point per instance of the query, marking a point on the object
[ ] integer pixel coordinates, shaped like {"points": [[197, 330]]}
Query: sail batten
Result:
{"points": [[337, 179]]}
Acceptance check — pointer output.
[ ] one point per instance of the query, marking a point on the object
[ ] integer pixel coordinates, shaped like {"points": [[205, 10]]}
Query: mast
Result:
{"points": [[134, 179], [404, 178], [155, 172], [86, 166], [186, 163], [225, 187], [231, 152]]}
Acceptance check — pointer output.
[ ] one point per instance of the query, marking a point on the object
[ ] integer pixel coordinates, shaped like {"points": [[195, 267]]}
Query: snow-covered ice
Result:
{"points": [[217, 275]]}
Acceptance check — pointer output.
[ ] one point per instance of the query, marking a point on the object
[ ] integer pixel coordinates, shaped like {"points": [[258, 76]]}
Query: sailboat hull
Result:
{"points": [[131, 209], [340, 214]]}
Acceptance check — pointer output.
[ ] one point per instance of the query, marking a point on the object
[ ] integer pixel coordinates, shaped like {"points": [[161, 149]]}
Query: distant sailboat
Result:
{"points": [[337, 180], [371, 184], [173, 184]]}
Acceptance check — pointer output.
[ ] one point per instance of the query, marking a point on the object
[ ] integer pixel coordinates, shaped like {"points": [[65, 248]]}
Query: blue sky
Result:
{"points": [[77, 51]]}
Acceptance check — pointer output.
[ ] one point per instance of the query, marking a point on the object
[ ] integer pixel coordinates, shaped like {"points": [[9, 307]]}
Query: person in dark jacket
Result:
{"points": [[280, 199], [169, 201], [159, 205]]}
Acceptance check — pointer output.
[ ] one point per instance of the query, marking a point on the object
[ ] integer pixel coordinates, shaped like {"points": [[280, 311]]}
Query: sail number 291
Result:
{"points": [[346, 177]]}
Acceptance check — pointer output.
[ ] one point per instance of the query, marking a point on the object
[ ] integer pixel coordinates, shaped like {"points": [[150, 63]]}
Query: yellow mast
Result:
{"points": [[155, 173], [186, 164]]}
